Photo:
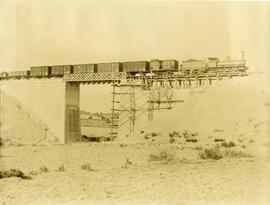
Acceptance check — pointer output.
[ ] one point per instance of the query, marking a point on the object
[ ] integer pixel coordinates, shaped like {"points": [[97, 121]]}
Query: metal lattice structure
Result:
{"points": [[95, 77]]}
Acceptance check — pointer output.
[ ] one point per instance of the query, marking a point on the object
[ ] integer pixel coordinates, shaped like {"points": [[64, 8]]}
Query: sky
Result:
{"points": [[35, 32]]}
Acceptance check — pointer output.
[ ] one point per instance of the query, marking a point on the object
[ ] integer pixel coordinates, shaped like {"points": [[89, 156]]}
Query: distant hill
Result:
{"points": [[97, 119]]}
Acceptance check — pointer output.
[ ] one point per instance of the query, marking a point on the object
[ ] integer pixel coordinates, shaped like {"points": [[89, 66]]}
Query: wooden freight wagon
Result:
{"points": [[212, 64], [169, 65], [155, 64], [193, 66], [85, 68], [18, 74], [60, 70], [136, 66], [109, 67], [40, 71]]}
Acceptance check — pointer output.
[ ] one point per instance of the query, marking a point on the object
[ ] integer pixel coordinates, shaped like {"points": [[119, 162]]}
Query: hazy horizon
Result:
{"points": [[68, 32]]}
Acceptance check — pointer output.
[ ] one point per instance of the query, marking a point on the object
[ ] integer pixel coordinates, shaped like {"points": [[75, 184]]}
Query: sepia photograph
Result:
{"points": [[141, 102]]}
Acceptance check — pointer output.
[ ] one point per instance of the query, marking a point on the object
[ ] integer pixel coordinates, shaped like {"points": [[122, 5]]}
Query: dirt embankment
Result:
{"points": [[20, 126], [236, 110]]}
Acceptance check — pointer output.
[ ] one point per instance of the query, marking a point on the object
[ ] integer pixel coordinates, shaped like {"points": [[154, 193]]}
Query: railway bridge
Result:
{"points": [[61, 106]]}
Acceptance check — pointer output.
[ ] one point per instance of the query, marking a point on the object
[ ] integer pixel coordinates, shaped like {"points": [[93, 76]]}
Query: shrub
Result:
{"points": [[174, 134], [215, 153], [87, 167], [218, 130], [236, 154], [93, 138], [191, 140], [186, 134], [231, 144], [171, 134], [228, 144], [13, 173], [146, 136], [240, 140], [211, 153], [219, 140], [44, 169], [163, 155], [172, 140], [127, 164], [154, 134], [194, 134], [122, 145], [61, 168], [196, 148], [33, 173]]}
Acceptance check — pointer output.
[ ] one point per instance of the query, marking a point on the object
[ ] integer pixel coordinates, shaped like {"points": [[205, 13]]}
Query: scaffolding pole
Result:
{"points": [[138, 98]]}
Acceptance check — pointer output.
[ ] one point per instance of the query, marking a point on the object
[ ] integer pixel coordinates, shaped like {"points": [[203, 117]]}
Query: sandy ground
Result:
{"points": [[113, 181], [148, 168]]}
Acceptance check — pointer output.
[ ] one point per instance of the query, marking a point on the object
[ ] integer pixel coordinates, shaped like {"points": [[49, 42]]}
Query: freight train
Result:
{"points": [[155, 66]]}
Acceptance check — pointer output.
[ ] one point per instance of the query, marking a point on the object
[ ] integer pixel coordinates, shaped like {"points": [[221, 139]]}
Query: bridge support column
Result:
{"points": [[72, 112]]}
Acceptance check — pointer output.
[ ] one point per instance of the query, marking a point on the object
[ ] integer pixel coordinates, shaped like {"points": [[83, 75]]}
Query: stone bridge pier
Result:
{"points": [[72, 113]]}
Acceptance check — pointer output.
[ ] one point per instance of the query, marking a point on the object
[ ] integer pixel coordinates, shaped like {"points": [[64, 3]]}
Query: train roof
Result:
{"points": [[192, 60], [212, 58]]}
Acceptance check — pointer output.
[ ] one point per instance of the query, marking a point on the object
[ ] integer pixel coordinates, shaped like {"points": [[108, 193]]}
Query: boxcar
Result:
{"points": [[169, 65], [135, 67], [60, 70], [109, 67], [40, 71], [193, 66], [155, 64], [212, 63], [18, 74], [85, 68]]}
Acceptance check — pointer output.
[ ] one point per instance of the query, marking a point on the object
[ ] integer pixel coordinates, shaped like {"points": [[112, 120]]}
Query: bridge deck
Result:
{"points": [[110, 77]]}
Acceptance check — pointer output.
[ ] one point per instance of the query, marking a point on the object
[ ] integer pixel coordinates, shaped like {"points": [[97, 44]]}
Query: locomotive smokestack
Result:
{"points": [[243, 55]]}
